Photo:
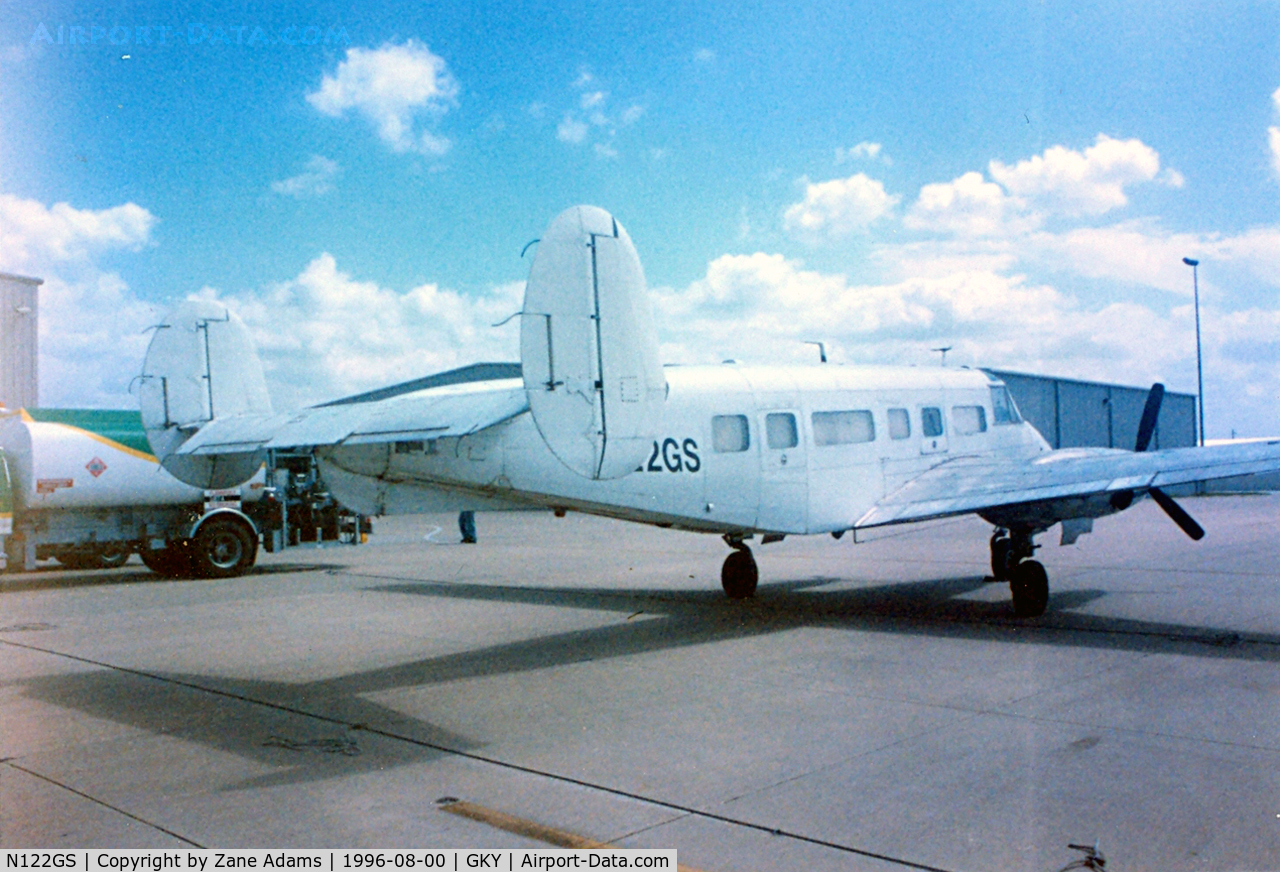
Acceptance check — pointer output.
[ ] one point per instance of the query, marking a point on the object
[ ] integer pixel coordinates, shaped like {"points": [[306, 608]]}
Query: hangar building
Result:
{"points": [[1070, 413], [19, 330]]}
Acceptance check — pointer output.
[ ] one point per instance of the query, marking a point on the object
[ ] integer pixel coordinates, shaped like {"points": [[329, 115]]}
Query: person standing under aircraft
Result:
{"points": [[467, 526]]}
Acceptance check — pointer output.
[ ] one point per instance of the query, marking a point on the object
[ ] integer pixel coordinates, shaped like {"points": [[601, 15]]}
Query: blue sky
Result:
{"points": [[1019, 181]]}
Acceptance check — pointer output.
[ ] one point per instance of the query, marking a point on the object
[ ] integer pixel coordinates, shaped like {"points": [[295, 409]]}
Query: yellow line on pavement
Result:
{"points": [[530, 829]]}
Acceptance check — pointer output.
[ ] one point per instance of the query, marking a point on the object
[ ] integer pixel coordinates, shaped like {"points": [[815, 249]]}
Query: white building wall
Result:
{"points": [[19, 337]]}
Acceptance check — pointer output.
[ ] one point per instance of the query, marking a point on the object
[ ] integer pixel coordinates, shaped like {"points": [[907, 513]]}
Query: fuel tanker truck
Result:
{"points": [[81, 486]]}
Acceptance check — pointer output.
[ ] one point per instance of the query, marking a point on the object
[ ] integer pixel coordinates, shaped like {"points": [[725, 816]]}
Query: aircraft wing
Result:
{"points": [[428, 414], [1052, 485]]}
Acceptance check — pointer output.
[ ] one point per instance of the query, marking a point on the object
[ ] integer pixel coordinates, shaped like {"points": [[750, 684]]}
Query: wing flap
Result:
{"points": [[972, 484], [428, 414]]}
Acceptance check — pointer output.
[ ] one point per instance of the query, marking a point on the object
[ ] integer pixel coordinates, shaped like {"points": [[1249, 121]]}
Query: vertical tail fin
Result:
{"points": [[201, 364], [589, 348]]}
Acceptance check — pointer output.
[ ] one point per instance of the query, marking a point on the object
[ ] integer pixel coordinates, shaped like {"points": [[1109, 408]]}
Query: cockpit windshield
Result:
{"points": [[1004, 409]]}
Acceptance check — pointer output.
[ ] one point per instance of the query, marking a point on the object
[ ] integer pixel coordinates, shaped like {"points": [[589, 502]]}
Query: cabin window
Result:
{"points": [[969, 419], [1003, 408], [843, 428], [899, 424], [409, 447], [729, 433], [780, 430], [931, 421]]}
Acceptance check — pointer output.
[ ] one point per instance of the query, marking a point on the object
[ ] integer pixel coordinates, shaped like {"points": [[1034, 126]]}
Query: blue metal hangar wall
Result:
{"points": [[1071, 414]]}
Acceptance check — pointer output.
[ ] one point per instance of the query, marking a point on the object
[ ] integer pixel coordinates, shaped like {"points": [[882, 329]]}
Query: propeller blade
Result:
{"points": [[1150, 416], [1177, 513]]}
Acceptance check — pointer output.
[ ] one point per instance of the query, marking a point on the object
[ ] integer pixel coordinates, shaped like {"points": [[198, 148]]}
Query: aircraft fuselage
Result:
{"points": [[739, 449]]}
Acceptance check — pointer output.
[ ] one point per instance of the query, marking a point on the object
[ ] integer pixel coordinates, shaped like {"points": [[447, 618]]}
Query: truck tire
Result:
{"points": [[104, 556], [223, 547], [114, 554], [171, 562], [83, 557]]}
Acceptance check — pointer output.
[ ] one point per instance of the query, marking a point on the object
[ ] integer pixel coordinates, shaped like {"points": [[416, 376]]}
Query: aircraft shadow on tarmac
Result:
{"points": [[930, 607], [296, 732], [254, 719]]}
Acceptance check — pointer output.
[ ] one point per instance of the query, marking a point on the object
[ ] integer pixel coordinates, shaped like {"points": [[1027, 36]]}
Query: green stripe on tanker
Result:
{"points": [[119, 425]]}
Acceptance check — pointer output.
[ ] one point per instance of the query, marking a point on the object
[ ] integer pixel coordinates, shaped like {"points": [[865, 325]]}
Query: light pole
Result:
{"points": [[1195, 281]]}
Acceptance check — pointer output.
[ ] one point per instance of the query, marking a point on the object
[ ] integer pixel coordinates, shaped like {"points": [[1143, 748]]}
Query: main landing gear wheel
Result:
{"points": [[1001, 556], [739, 574], [1030, 588]]}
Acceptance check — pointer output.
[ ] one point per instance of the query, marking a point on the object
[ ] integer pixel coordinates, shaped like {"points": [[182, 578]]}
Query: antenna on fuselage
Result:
{"points": [[822, 348]]}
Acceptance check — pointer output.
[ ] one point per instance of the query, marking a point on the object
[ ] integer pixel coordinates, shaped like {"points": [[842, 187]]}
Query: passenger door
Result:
{"points": [[784, 474], [933, 430]]}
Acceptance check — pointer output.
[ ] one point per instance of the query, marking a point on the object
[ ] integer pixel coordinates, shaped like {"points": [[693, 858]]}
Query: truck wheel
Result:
{"points": [[77, 558], [171, 562], [224, 547], [114, 554]]}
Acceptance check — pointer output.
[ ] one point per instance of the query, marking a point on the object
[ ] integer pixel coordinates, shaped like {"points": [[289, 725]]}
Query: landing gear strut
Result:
{"points": [[1011, 551], [739, 574], [1001, 546]]}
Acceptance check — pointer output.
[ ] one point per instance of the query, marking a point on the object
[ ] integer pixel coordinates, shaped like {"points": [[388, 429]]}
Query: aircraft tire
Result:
{"points": [[223, 548], [171, 562], [1030, 588], [739, 575], [1001, 546]]}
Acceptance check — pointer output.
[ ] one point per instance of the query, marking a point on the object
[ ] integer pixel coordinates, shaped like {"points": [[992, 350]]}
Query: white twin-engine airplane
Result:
{"points": [[599, 425]]}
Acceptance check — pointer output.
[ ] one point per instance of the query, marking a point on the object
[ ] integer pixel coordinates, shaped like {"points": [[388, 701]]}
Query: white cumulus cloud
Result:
{"points": [[1073, 183], [91, 340], [839, 207], [760, 308], [1273, 135], [391, 86], [324, 334], [969, 206], [862, 151], [32, 233], [314, 181], [571, 130]]}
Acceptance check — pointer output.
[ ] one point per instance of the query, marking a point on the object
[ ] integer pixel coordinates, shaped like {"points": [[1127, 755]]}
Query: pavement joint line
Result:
{"points": [[1133, 731], [479, 758], [653, 826], [104, 804], [1092, 676], [531, 829], [970, 716]]}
